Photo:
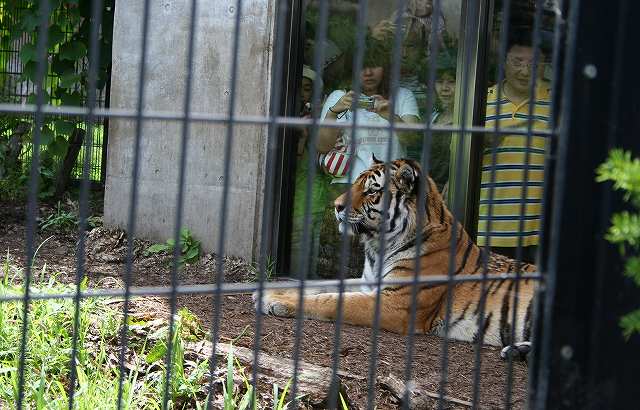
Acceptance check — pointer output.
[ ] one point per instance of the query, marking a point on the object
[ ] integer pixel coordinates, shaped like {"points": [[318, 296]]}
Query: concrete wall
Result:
{"points": [[164, 91]]}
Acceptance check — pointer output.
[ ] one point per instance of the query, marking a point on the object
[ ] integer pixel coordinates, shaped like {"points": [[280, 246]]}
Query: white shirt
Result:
{"points": [[369, 141]]}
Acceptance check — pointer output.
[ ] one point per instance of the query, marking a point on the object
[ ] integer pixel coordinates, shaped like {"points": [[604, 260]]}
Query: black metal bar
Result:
{"points": [[186, 125], [474, 11], [288, 138], [395, 74], [244, 288], [544, 348], [268, 201], [523, 198], [318, 57], [422, 199], [575, 368], [94, 58], [249, 119], [357, 65], [105, 134], [217, 304], [478, 114], [502, 53], [549, 170], [133, 204], [32, 206], [575, 311]]}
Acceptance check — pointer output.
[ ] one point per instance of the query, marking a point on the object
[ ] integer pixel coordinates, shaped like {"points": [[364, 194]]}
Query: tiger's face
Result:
{"points": [[366, 215]]}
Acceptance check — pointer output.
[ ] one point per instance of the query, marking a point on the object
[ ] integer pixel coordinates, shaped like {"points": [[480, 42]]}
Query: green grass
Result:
{"points": [[49, 346], [49, 349]]}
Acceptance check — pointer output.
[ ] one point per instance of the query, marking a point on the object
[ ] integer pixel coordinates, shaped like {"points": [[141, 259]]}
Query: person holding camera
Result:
{"points": [[334, 144], [373, 107]]}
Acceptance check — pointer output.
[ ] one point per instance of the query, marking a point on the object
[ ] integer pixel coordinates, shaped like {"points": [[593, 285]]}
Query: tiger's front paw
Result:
{"points": [[276, 303], [517, 351]]}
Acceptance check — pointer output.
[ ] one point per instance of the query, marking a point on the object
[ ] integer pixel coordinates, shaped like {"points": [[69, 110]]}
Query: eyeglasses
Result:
{"points": [[520, 63]]}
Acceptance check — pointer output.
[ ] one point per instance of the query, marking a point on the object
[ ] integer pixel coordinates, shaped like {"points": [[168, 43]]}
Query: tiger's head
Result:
{"points": [[366, 214]]}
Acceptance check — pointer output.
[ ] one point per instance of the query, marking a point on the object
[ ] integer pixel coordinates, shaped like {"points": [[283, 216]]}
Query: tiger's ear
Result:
{"points": [[376, 160], [406, 177]]}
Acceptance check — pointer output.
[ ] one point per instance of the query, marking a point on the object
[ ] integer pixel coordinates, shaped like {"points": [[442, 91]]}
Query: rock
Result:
{"points": [[61, 250]]}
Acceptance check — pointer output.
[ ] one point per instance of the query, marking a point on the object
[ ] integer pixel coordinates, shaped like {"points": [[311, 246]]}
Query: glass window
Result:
{"points": [[331, 160], [512, 165]]}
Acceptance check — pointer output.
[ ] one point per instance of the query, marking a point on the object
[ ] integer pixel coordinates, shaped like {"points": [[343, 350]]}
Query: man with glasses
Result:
{"points": [[513, 164]]}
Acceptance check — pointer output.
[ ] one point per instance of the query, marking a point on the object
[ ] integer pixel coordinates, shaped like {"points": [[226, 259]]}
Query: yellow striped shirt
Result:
{"points": [[509, 168]]}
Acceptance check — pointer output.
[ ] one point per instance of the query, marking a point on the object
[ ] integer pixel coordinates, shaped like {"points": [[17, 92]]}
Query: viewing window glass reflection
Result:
{"points": [[376, 104]]}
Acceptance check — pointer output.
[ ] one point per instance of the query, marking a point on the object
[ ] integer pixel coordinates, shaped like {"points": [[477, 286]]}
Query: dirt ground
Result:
{"points": [[106, 259]]}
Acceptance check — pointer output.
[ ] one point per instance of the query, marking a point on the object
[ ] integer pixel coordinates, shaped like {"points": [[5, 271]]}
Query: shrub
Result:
{"points": [[624, 231], [190, 248]]}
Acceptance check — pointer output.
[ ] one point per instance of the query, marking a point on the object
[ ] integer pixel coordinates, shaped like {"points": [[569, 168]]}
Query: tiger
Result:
{"points": [[366, 219]]}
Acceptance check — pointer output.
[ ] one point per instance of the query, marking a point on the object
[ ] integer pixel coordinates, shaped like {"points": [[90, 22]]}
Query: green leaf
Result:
{"points": [[72, 50], [157, 352], [229, 386], [30, 20], [246, 399], [157, 248], [191, 254], [30, 71], [33, 98], [54, 36], [28, 53], [55, 4], [630, 323], [58, 147], [46, 136], [60, 66], [68, 79], [625, 228], [632, 269], [73, 99], [64, 127]]}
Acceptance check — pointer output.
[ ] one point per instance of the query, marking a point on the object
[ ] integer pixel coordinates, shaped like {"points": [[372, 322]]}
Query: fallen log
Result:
{"points": [[313, 380], [418, 398]]}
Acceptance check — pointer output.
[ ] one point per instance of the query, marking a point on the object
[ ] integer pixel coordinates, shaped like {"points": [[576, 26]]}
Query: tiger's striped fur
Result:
{"points": [[366, 218]]}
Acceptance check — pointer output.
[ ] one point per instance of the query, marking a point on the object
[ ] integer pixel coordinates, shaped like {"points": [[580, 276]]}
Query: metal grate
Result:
{"points": [[465, 130], [20, 90]]}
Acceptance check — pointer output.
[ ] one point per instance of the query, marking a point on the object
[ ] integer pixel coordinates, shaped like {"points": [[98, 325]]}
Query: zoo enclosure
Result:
{"points": [[592, 116]]}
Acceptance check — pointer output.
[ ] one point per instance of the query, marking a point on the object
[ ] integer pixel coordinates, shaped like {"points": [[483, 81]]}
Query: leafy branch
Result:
{"points": [[624, 231]]}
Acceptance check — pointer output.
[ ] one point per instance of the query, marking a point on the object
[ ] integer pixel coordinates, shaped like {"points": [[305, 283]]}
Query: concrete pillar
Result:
{"points": [[160, 144]]}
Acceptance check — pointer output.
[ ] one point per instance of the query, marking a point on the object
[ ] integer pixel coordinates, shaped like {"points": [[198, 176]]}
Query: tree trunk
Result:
{"points": [[14, 148], [64, 175]]}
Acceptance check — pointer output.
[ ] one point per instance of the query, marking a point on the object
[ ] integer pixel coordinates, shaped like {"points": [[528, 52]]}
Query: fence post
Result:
{"points": [[582, 358]]}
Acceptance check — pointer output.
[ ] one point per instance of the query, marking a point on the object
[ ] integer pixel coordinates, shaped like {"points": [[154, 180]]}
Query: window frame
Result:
{"points": [[464, 189]]}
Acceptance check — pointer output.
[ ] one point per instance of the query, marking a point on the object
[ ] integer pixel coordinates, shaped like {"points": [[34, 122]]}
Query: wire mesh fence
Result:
{"points": [[420, 271], [64, 82]]}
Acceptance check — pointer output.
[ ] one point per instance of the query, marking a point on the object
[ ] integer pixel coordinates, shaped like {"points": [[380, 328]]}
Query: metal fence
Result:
{"points": [[570, 99], [18, 87]]}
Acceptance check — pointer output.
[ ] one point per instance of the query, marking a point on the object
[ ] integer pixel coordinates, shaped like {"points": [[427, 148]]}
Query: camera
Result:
{"points": [[366, 102]]}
